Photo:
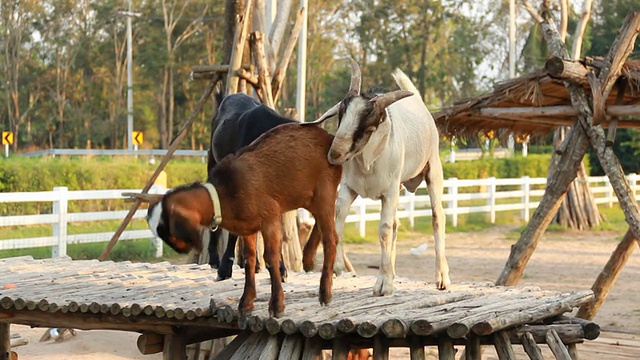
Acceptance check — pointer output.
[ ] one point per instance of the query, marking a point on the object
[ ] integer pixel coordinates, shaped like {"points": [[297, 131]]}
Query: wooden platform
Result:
{"points": [[174, 305]]}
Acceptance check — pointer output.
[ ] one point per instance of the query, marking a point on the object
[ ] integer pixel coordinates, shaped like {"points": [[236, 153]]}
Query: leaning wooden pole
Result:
{"points": [[172, 148], [609, 275]]}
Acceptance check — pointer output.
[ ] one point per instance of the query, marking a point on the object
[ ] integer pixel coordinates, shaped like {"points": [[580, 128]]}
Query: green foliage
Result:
{"points": [[626, 148], [533, 166], [43, 174]]}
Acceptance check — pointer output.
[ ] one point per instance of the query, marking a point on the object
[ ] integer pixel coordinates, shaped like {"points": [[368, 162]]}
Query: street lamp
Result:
{"points": [[129, 14]]}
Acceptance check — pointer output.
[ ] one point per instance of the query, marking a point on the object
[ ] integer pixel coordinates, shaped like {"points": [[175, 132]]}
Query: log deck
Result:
{"points": [[176, 305]]}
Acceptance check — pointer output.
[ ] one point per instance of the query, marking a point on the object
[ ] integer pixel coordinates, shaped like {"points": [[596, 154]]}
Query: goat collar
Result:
{"points": [[217, 210]]}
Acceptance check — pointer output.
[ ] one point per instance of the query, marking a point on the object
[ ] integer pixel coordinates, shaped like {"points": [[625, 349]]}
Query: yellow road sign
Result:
{"points": [[7, 138], [138, 138]]}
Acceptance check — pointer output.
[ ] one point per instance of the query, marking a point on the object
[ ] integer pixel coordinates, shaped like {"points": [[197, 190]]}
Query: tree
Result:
{"points": [[16, 19]]}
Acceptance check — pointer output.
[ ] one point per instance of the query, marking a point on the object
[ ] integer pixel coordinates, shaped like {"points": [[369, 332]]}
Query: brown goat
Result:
{"points": [[284, 169]]}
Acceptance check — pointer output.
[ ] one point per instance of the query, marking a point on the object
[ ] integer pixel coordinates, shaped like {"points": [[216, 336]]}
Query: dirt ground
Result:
{"points": [[564, 261]]}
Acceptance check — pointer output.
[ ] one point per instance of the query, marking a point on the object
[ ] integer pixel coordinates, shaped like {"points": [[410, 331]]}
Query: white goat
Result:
{"points": [[385, 141]]}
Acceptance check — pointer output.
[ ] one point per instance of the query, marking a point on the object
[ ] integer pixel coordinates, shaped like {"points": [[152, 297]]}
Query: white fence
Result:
{"points": [[461, 197]]}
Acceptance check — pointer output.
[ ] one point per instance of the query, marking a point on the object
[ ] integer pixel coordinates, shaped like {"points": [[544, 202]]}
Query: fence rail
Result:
{"points": [[461, 197]]}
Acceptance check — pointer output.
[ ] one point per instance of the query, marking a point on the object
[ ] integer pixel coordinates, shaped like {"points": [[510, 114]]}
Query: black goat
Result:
{"points": [[238, 122]]}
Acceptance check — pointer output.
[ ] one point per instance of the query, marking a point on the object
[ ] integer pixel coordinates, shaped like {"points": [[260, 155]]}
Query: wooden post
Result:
{"points": [[240, 34], [503, 346], [5, 341], [416, 349], [312, 349], [175, 347], [557, 347], [530, 347], [472, 349], [291, 347], [380, 347], [340, 349], [608, 276], [446, 351], [172, 148]]}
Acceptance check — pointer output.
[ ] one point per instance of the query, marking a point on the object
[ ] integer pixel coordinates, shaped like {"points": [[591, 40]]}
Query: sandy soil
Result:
{"points": [[563, 261]]}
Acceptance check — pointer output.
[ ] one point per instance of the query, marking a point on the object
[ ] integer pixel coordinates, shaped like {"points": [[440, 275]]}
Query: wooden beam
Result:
{"points": [[503, 346], [609, 275], [531, 348], [150, 343], [554, 111], [175, 348], [446, 351]]}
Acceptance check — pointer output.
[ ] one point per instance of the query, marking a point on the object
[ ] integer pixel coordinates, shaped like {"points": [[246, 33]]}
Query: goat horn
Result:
{"points": [[356, 77], [384, 100], [327, 114], [144, 197]]}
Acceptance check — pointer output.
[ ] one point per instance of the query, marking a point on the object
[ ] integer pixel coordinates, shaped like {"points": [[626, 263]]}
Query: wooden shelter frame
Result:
{"points": [[597, 92]]}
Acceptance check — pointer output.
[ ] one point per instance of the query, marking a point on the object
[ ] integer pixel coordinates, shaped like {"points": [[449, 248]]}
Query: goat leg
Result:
{"points": [[249, 293], [329, 237], [310, 248], [272, 236]]}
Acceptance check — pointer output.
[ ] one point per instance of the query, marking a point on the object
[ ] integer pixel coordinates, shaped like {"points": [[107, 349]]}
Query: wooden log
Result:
{"points": [[233, 346], [174, 347], [260, 59], [446, 351], [395, 328], [327, 331], [308, 328], [504, 319], [16, 340], [291, 348], [530, 347], [557, 347], [416, 349], [534, 112], [472, 348], [380, 348], [607, 278], [569, 333], [312, 349], [503, 346], [270, 349], [150, 343], [590, 329], [239, 37], [367, 329], [252, 347], [568, 70], [283, 61]]}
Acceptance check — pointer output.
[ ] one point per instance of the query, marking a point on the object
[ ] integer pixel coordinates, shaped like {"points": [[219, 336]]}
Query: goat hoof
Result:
{"points": [[325, 299], [276, 311]]}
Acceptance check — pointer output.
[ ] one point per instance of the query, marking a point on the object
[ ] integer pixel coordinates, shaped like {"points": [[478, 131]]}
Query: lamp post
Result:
{"points": [[129, 14]]}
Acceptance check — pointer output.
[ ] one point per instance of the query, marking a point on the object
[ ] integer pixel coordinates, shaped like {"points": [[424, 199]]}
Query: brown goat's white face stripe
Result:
{"points": [[155, 218]]}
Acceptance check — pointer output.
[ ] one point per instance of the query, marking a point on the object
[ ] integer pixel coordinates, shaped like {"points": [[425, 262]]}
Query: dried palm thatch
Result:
{"points": [[537, 103]]}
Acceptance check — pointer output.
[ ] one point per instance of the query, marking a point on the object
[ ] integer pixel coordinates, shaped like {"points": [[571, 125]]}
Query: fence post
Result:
{"points": [[363, 214], [160, 187], [633, 182], [411, 207], [609, 192], [526, 197], [453, 203], [60, 208], [491, 201]]}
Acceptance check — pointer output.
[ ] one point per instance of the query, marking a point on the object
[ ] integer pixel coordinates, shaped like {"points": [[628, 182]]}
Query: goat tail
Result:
{"points": [[404, 82]]}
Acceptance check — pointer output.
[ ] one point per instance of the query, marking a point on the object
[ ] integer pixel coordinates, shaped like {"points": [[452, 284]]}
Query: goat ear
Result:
{"points": [[384, 100], [376, 144], [184, 228], [327, 114]]}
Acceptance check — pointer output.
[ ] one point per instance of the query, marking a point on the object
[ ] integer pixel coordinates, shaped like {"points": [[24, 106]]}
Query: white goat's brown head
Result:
{"points": [[363, 124]]}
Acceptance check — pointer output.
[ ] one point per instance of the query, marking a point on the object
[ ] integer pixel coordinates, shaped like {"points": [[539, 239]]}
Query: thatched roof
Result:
{"points": [[536, 104]]}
